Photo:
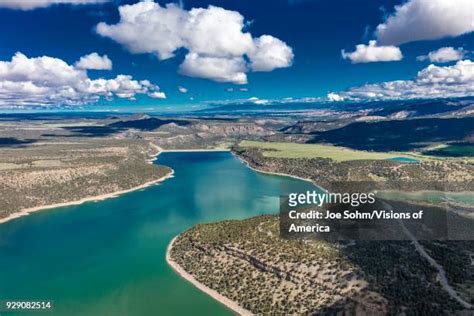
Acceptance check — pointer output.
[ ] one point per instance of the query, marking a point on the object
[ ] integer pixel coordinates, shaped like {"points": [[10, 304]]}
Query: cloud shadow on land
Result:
{"points": [[147, 124], [397, 135], [14, 142]]}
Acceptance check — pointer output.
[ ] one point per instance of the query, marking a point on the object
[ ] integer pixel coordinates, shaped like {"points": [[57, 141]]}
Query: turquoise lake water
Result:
{"points": [[108, 257], [404, 159]]}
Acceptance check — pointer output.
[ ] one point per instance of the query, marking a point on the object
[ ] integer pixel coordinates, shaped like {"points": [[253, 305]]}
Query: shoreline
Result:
{"points": [[96, 198], [276, 173], [28, 211], [232, 305], [194, 150]]}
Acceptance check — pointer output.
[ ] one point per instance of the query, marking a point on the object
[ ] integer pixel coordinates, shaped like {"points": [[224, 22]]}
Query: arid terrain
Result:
{"points": [[41, 166], [249, 263], [426, 174], [53, 173], [55, 159]]}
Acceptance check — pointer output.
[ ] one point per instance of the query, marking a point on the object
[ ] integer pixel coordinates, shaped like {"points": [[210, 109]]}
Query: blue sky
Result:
{"points": [[315, 31]]}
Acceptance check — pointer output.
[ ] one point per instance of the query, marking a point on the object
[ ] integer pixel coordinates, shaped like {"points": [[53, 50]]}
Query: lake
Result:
{"points": [[108, 257]]}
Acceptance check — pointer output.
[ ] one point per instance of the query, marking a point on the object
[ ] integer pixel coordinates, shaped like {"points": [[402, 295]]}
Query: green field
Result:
{"points": [[293, 150]]}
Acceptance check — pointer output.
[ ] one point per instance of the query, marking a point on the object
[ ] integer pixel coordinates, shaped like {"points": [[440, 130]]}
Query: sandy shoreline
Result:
{"points": [[160, 150], [180, 271], [185, 275], [30, 210], [212, 293]]}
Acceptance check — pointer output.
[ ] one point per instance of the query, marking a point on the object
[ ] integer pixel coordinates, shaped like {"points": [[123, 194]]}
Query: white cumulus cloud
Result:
{"points": [[431, 82], [334, 97], [270, 53], [218, 48], [417, 20], [94, 62], [157, 95], [45, 80], [34, 4], [443, 55], [182, 89], [460, 73], [220, 69], [373, 53]]}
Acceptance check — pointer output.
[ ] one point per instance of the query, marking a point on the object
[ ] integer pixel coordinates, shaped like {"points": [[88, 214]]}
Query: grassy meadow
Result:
{"points": [[293, 150]]}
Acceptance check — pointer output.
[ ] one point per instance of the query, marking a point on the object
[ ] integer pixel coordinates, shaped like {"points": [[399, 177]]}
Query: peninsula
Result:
{"points": [[248, 263]]}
